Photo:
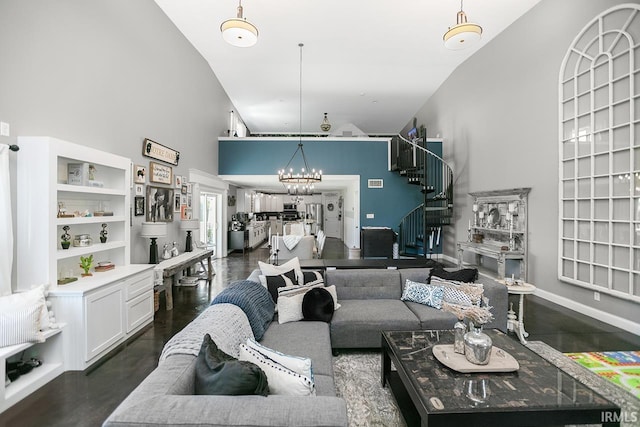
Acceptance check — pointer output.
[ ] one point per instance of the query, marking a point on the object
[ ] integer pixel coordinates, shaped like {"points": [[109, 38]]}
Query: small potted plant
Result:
{"points": [[85, 263], [66, 238]]}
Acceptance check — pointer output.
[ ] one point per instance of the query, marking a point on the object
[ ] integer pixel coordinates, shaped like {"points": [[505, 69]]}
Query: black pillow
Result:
{"points": [[275, 282], [317, 304], [217, 373], [466, 275]]}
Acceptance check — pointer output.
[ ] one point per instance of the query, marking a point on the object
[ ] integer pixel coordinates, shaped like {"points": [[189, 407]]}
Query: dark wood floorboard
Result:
{"points": [[86, 398]]}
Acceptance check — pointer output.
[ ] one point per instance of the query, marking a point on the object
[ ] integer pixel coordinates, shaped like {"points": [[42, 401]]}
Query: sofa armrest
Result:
{"points": [[302, 411]]}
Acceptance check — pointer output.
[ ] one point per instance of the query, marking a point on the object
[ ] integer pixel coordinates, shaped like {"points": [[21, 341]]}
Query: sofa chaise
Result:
{"points": [[370, 302]]}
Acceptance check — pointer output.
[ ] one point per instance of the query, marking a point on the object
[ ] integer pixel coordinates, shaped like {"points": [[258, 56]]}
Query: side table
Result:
{"points": [[514, 325]]}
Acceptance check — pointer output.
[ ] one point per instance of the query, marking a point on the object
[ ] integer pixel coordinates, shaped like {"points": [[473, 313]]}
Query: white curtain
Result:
{"points": [[6, 230]]}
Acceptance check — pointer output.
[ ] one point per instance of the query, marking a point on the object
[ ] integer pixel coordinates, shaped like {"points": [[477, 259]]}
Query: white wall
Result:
{"points": [[498, 114], [107, 74]]}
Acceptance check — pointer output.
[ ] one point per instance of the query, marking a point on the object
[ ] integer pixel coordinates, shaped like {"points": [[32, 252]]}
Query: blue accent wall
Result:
{"points": [[367, 158]]}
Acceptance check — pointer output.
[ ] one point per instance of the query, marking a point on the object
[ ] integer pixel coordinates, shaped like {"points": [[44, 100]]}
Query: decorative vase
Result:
{"points": [[65, 245], [459, 329], [477, 345]]}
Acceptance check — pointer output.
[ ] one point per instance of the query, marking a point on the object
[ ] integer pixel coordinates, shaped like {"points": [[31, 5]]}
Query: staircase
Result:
{"points": [[420, 230]]}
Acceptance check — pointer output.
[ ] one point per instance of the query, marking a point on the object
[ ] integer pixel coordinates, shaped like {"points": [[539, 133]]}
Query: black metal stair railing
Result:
{"points": [[435, 178]]}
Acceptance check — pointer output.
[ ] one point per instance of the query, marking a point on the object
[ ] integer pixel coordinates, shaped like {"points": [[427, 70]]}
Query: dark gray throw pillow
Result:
{"points": [[217, 373], [317, 304], [466, 275]]}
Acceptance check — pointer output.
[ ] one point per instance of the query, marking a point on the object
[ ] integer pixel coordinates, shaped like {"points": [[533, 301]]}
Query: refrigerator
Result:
{"points": [[314, 216]]}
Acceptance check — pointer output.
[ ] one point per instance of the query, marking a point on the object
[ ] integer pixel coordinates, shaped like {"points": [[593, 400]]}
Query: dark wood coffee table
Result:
{"points": [[538, 394]]}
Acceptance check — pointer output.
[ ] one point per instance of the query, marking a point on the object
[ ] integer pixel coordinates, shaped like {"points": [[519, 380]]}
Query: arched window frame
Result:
{"points": [[599, 156]]}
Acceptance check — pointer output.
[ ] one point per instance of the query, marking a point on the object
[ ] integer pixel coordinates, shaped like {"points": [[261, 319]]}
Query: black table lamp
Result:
{"points": [[153, 230], [189, 225]]}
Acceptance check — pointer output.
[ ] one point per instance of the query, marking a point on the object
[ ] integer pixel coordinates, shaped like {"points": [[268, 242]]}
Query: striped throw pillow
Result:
{"points": [[21, 325]]}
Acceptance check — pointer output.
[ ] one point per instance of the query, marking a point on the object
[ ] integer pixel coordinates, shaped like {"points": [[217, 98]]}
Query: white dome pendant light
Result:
{"points": [[463, 34], [238, 31]]}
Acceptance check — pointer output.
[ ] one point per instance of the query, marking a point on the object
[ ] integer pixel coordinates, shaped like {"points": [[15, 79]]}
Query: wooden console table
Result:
{"points": [[170, 267], [495, 252]]}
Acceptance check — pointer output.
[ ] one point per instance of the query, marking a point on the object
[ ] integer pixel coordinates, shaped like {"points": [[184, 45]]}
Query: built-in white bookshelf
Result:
{"points": [[99, 312]]}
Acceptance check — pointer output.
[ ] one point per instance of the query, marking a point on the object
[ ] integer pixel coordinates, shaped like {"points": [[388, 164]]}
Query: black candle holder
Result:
{"points": [[274, 255]]}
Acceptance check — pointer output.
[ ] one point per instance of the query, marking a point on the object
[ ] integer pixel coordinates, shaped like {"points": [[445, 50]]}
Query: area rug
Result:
{"points": [[357, 379], [620, 367]]}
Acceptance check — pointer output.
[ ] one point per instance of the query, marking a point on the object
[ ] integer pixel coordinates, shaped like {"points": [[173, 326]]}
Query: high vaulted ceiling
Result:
{"points": [[370, 63]]}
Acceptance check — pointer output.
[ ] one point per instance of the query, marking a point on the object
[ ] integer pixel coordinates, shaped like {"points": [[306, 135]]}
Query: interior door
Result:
{"points": [[333, 220]]}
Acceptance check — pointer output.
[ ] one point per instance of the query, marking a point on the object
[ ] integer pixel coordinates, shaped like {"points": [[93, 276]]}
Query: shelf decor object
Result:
{"points": [[599, 156], [189, 225], [153, 230], [238, 31]]}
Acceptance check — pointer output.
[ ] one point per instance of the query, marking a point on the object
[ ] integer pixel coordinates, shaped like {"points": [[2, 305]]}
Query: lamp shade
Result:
{"points": [[153, 229], [190, 224], [239, 32], [463, 34]]}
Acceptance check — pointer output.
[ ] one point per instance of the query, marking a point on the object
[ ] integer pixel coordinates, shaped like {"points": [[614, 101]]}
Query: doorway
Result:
{"points": [[333, 215], [208, 234]]}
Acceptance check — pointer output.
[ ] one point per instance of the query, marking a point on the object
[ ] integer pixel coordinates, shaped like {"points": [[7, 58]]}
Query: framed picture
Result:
{"points": [[189, 188], [177, 202], [161, 174], [183, 199], [139, 205], [189, 198], [139, 174], [160, 152], [183, 190], [185, 213], [159, 204], [139, 189], [178, 181]]}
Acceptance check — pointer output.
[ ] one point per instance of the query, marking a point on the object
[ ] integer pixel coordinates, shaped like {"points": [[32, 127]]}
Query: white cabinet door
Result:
{"points": [[104, 310], [279, 203]]}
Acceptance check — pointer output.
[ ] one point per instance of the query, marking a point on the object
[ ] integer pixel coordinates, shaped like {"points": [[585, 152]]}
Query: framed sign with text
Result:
{"points": [[161, 174], [160, 152]]}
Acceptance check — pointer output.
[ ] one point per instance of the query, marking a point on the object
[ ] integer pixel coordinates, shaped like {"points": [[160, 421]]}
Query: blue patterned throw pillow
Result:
{"points": [[423, 294]]}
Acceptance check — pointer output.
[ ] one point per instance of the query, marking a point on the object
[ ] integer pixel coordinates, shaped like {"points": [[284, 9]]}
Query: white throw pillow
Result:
{"points": [[27, 299], [290, 302], [301, 365], [334, 295], [274, 270], [20, 324], [281, 380]]}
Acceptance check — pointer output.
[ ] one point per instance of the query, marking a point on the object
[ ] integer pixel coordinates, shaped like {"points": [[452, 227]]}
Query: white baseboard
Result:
{"points": [[611, 319], [605, 317]]}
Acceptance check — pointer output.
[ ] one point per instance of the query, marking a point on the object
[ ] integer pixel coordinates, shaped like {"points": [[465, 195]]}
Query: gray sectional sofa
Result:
{"points": [[370, 302]]}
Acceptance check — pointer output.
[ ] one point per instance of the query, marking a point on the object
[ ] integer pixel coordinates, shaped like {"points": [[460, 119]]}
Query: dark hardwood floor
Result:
{"points": [[87, 398]]}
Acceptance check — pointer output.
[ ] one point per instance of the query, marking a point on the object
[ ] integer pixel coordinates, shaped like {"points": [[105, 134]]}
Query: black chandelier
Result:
{"points": [[301, 182]]}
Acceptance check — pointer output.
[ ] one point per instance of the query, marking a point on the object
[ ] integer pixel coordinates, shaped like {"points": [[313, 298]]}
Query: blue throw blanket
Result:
{"points": [[254, 300]]}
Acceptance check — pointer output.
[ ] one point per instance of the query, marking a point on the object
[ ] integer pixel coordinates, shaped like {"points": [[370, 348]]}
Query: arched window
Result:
{"points": [[599, 88]]}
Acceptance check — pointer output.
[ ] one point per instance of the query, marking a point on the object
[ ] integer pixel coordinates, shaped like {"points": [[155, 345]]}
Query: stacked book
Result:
{"points": [[105, 266]]}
